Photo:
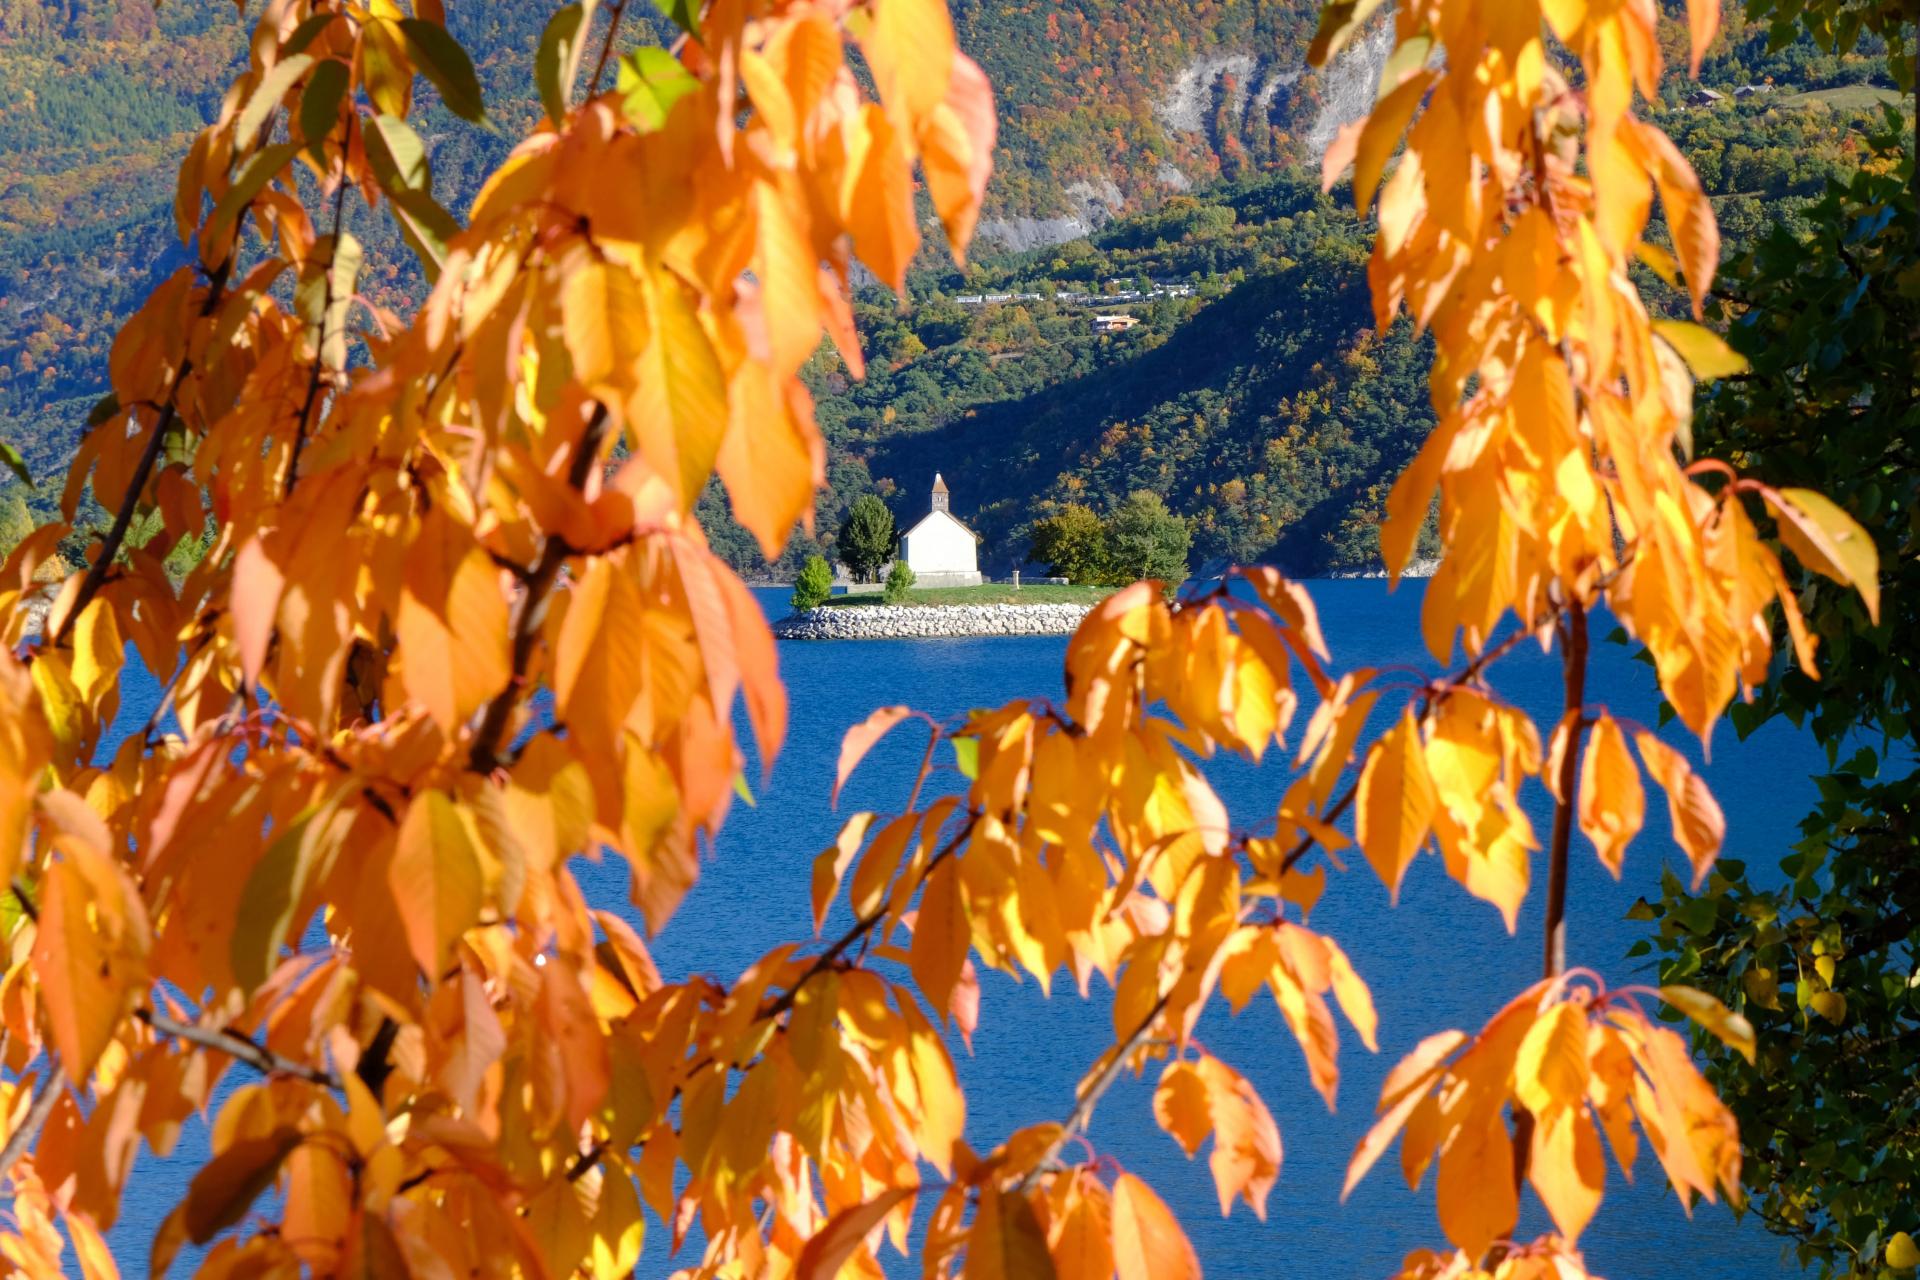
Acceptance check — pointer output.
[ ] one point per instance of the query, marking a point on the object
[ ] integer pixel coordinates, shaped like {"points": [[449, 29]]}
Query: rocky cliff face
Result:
{"points": [[1247, 102]]}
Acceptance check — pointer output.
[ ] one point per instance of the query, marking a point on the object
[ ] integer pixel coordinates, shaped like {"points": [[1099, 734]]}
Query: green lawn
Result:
{"points": [[989, 593], [1846, 98]]}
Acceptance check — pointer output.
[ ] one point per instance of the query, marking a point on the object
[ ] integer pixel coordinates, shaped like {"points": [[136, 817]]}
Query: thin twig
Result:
{"points": [[606, 48], [28, 1133], [240, 1048], [1082, 1112]]}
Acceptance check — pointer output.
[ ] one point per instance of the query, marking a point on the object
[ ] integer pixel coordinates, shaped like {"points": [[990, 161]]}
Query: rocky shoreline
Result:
{"points": [[890, 622]]}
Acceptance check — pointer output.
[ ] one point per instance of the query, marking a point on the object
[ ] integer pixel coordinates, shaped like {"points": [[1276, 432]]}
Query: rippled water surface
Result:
{"points": [[1439, 960]]}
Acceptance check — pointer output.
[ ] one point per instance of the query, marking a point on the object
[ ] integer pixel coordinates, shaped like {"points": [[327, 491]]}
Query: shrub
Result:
{"points": [[899, 582], [814, 584]]}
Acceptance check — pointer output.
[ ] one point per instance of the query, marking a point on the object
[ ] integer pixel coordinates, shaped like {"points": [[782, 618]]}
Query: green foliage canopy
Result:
{"points": [[866, 538]]}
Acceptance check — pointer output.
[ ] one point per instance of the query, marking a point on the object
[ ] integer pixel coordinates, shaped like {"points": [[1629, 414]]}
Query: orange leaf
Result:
{"points": [[227, 1185], [835, 1244], [1394, 806], [1565, 1166], [90, 953], [1613, 804], [1180, 1105], [860, 739], [940, 936], [1006, 1242], [1147, 1242], [1699, 827]]}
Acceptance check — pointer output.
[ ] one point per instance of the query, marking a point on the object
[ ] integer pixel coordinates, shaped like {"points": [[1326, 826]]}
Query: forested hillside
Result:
{"points": [[1181, 136]]}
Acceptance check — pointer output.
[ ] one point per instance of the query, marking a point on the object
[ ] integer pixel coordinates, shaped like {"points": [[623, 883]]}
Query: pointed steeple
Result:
{"points": [[940, 494]]}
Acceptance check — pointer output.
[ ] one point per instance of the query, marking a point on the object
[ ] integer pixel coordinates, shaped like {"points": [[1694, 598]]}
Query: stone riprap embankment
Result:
{"points": [[888, 622]]}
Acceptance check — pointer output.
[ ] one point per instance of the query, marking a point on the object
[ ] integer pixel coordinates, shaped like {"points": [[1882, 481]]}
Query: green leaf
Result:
{"points": [[426, 227], [651, 81], [400, 166], [442, 61], [15, 463], [554, 64], [684, 14], [273, 87], [398, 156], [966, 754], [320, 105], [258, 172]]}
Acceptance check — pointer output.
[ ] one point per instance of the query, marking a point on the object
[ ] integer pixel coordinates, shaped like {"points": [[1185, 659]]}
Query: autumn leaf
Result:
{"points": [[1395, 802], [836, 1243], [1612, 802], [1828, 541], [1147, 1243], [226, 1186], [435, 877]]}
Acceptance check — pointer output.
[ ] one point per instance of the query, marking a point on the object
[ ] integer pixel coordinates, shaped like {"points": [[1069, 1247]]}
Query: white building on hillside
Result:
{"points": [[940, 550]]}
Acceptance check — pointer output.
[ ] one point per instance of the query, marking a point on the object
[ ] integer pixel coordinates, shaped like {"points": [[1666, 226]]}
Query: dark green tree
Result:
{"points": [[1146, 540], [866, 538], [1821, 957], [1072, 544]]}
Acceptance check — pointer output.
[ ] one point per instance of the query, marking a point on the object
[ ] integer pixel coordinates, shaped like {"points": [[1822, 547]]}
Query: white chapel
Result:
{"points": [[940, 550]]}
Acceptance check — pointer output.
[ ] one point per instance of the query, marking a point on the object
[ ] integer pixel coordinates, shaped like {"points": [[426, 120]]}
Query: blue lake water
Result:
{"points": [[1441, 959]]}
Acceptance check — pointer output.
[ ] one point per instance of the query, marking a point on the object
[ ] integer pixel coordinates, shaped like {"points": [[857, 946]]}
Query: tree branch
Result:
{"points": [[142, 472], [320, 348], [531, 609], [241, 1048], [1096, 1089]]}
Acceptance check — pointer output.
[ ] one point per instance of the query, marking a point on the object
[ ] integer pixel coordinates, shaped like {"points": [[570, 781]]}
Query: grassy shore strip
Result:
{"points": [[988, 593]]}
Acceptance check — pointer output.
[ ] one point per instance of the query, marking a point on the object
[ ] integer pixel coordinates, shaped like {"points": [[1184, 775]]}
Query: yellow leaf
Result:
{"points": [[98, 653], [677, 414], [1394, 806], [831, 863], [227, 1185], [436, 877], [910, 46], [1732, 1029], [1828, 541], [1902, 1253], [1705, 351], [1147, 1242], [1565, 1166], [604, 322], [956, 152], [1613, 804], [1703, 23], [1550, 1069]]}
